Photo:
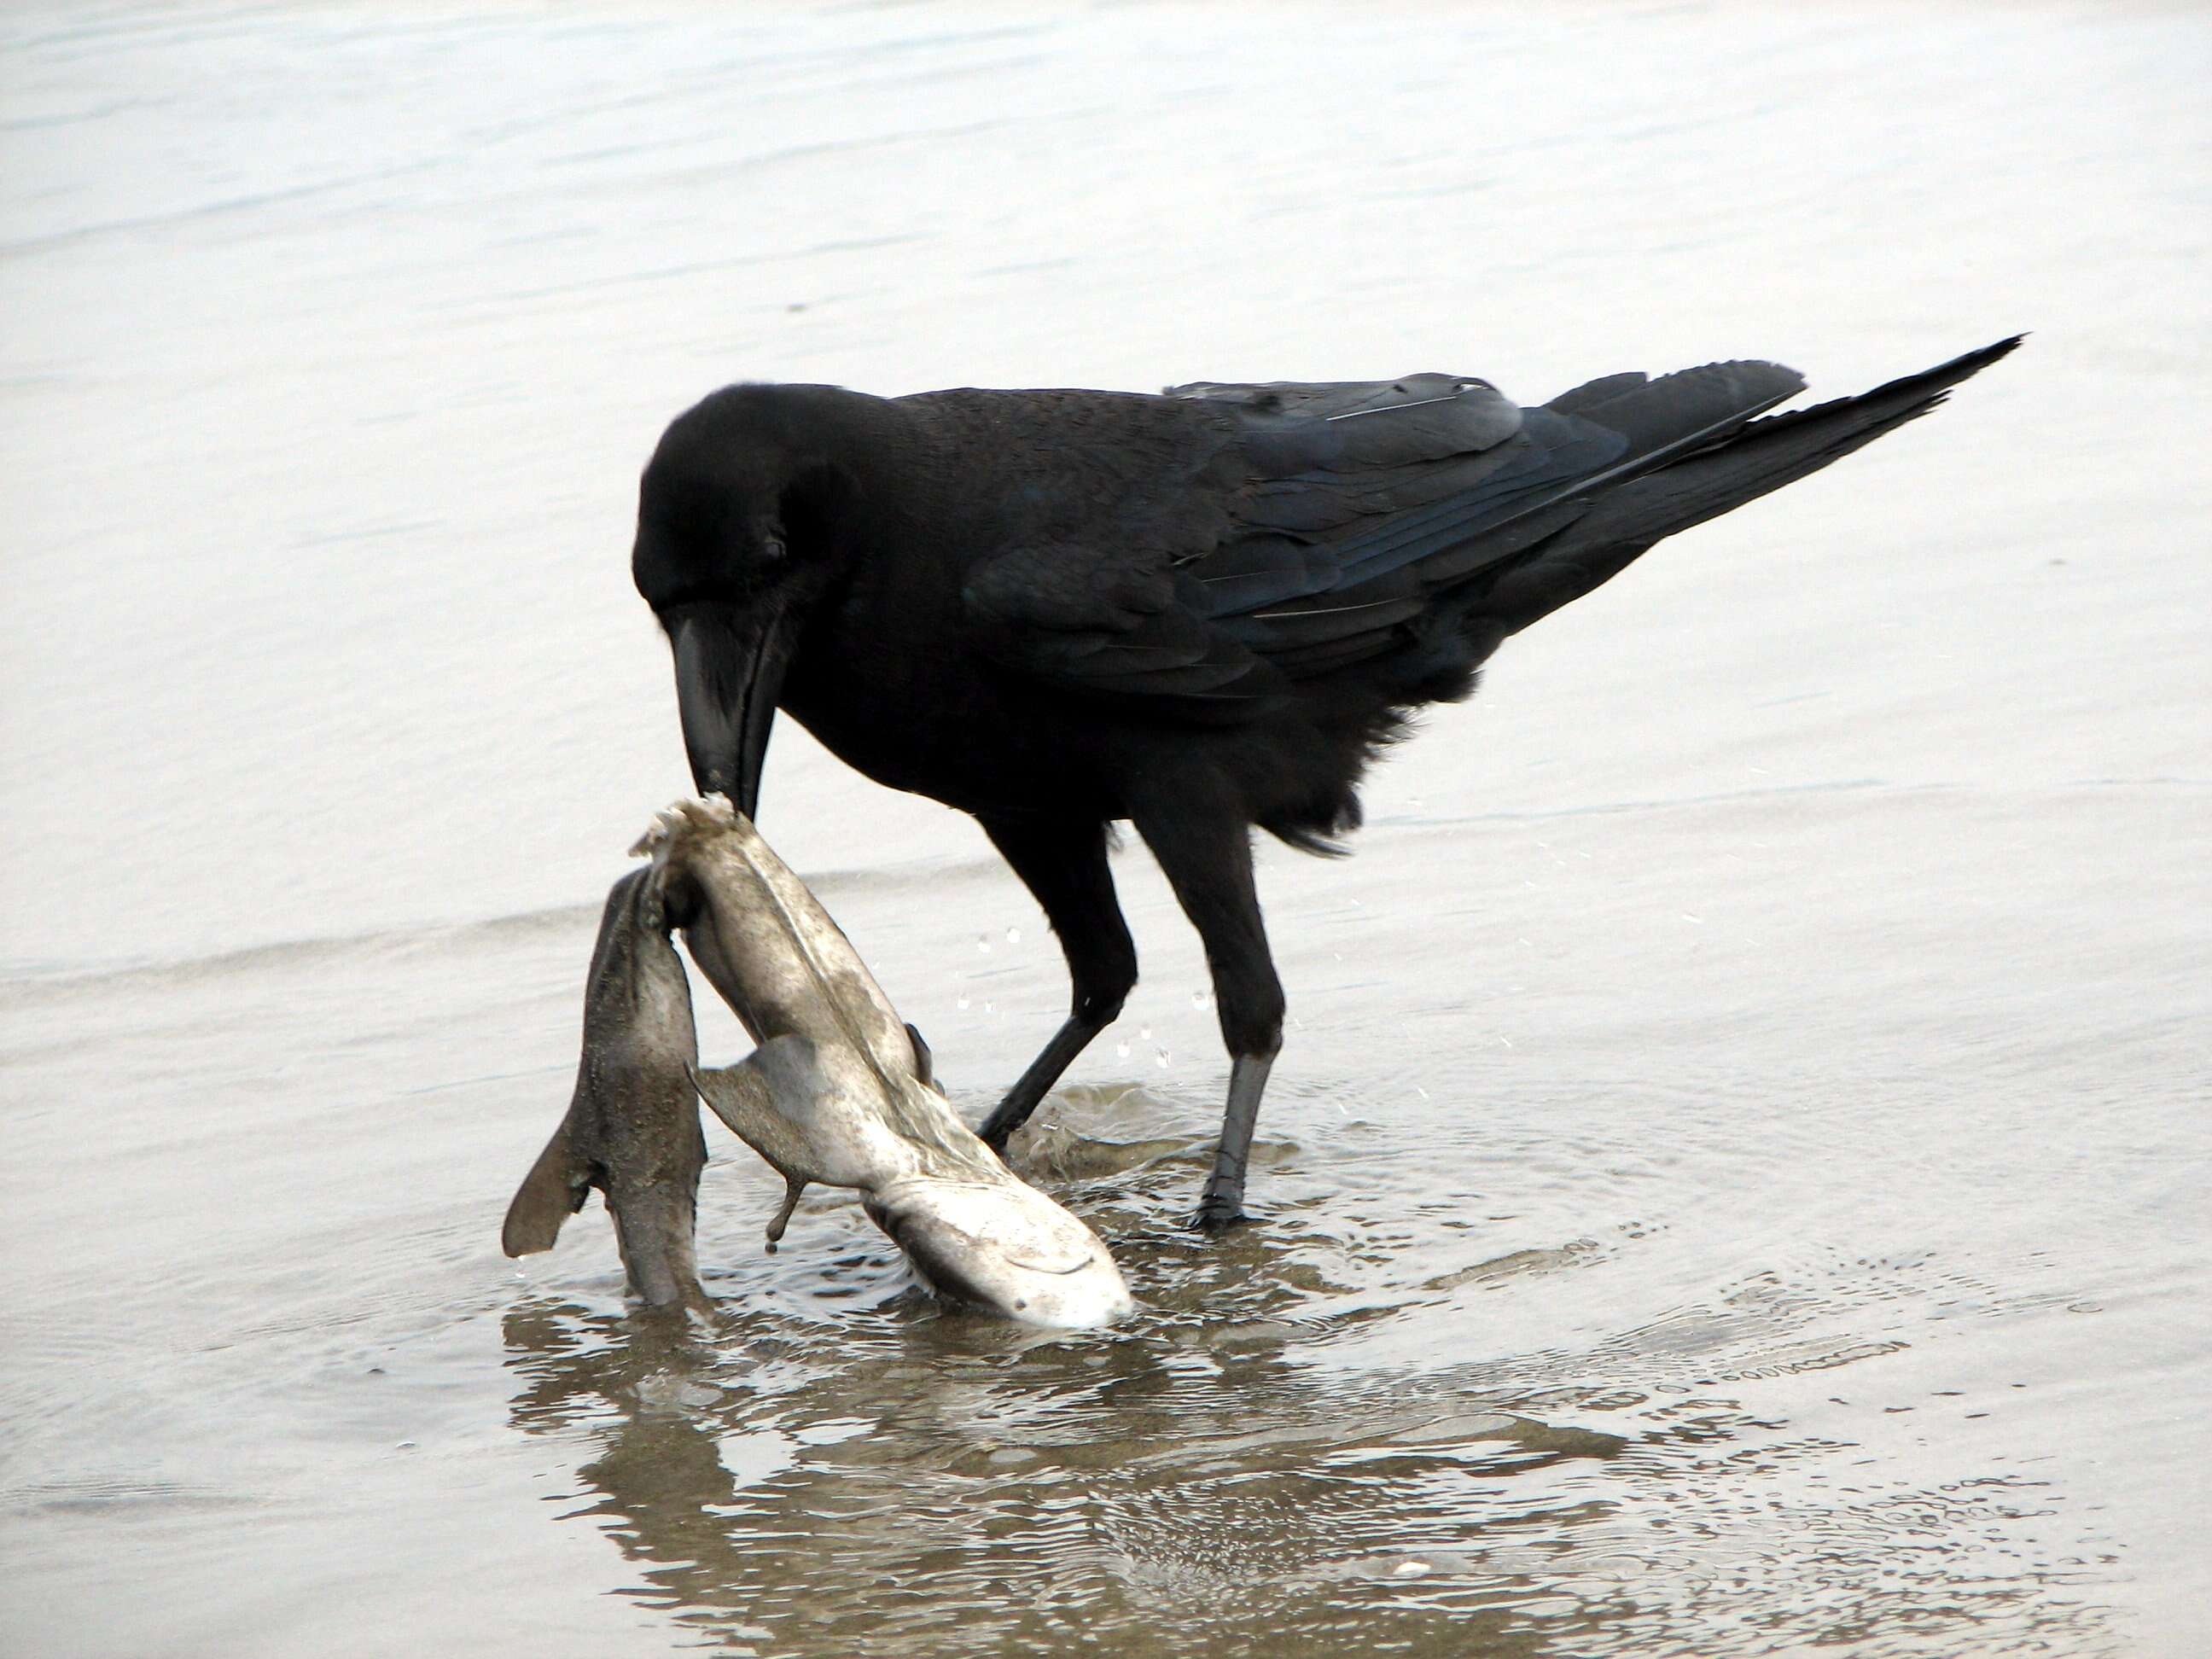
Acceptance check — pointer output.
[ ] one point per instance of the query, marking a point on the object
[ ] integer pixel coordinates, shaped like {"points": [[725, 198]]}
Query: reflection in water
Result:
{"points": [[1065, 1490], [901, 1479]]}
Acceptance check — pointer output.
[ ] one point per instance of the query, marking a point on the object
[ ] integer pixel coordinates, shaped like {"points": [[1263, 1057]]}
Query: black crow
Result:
{"points": [[1198, 612]]}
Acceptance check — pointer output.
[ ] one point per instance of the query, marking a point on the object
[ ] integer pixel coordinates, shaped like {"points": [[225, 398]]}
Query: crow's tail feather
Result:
{"points": [[1761, 456]]}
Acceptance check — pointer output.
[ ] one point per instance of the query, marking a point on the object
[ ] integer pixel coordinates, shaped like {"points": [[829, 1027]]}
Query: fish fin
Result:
{"points": [[924, 1064], [554, 1190], [793, 1187], [744, 1096]]}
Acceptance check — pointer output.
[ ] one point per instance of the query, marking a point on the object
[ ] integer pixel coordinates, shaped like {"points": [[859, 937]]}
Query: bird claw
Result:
{"points": [[1215, 1216]]}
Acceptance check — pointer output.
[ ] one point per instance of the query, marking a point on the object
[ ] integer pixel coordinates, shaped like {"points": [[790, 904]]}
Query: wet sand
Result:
{"points": [[1735, 1179]]}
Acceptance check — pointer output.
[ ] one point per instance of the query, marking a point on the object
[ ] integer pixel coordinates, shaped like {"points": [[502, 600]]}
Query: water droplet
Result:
{"points": [[1163, 1058], [1013, 936], [1122, 1048], [989, 1006], [963, 999], [1200, 999], [983, 943]]}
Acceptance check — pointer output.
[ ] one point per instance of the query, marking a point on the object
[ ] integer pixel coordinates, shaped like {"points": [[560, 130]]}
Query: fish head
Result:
{"points": [[656, 1227], [1003, 1248]]}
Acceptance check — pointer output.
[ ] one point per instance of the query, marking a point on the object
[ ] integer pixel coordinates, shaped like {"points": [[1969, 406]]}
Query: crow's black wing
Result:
{"points": [[1268, 533], [1088, 614], [1124, 524], [1375, 500]]}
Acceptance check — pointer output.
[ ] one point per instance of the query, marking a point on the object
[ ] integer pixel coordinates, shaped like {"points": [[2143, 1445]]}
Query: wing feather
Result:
{"points": [[1308, 526]]}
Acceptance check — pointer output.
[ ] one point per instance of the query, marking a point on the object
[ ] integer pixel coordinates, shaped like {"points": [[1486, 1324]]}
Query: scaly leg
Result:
{"points": [[1063, 862]]}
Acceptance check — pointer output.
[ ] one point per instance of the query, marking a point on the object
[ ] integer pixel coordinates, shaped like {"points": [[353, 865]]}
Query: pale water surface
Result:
{"points": [[1737, 1179]]}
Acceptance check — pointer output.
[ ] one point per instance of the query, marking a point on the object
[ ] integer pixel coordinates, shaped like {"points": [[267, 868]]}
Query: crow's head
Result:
{"points": [[738, 541]]}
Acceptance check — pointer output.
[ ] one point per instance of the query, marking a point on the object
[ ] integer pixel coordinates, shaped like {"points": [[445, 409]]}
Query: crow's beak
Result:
{"points": [[729, 670]]}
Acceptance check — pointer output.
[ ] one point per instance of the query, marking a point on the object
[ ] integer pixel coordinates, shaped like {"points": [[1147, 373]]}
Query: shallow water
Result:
{"points": [[1736, 1183]]}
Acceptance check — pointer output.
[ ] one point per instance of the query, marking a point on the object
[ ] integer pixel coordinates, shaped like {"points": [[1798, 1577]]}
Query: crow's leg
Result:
{"points": [[1207, 858], [1063, 862]]}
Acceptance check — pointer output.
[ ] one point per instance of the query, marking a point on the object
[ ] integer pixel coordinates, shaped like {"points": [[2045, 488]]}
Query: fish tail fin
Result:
{"points": [[555, 1189]]}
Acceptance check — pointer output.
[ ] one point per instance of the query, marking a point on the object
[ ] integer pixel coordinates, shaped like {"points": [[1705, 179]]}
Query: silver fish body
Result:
{"points": [[632, 1127], [839, 1090], [1002, 1245]]}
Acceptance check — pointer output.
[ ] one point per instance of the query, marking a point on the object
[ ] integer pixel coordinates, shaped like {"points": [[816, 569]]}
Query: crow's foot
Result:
{"points": [[1217, 1214]]}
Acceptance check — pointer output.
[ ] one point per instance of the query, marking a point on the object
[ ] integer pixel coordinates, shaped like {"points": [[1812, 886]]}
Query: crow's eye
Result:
{"points": [[772, 550]]}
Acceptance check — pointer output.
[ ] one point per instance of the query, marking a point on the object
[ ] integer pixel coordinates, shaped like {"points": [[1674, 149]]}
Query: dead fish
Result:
{"points": [[840, 1090], [632, 1129]]}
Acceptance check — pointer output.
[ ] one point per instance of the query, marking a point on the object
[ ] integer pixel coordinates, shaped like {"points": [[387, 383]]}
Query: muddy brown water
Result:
{"points": [[1736, 1183]]}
